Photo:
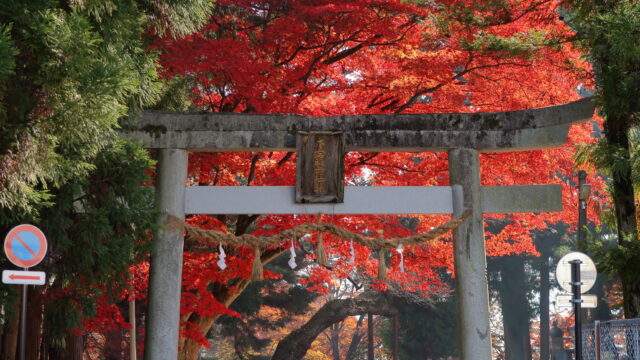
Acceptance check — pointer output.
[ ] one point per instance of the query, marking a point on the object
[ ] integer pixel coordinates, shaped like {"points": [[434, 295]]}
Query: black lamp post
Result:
{"points": [[584, 190]]}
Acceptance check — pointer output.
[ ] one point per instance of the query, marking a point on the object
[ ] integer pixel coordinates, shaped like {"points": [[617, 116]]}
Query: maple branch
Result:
{"points": [[346, 53], [376, 102], [416, 95], [466, 70], [521, 15], [286, 158], [296, 344], [363, 159], [252, 169], [342, 54]]}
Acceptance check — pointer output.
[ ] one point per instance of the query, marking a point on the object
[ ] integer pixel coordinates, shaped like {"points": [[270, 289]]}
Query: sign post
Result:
{"points": [[577, 302], [576, 273], [25, 246]]}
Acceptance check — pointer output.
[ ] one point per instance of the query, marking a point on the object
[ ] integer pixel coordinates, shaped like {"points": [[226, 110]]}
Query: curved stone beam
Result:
{"points": [[487, 132]]}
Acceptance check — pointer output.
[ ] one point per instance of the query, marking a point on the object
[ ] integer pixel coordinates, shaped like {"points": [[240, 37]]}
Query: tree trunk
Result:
{"points": [[34, 323], [335, 342], [113, 344], [631, 293], [11, 330], [295, 345], [76, 346], [355, 340], [602, 312], [515, 312], [191, 349], [73, 350], [616, 132], [544, 307]]}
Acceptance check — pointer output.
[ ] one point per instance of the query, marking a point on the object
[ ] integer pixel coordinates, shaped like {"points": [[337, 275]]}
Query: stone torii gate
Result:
{"points": [[463, 136]]}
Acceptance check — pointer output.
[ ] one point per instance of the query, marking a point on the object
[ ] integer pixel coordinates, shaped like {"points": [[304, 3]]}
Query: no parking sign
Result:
{"points": [[25, 245]]}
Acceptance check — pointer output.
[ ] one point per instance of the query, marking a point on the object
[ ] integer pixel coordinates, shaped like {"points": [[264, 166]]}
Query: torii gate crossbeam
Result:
{"points": [[463, 136]]}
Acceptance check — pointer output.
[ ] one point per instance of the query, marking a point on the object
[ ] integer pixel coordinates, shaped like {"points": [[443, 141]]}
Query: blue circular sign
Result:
{"points": [[25, 245]]}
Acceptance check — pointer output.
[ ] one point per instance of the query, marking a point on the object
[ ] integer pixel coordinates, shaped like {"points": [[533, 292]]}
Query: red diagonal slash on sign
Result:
{"points": [[23, 277], [26, 246]]}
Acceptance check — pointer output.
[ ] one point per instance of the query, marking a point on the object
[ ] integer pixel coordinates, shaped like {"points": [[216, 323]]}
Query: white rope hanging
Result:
{"points": [[400, 250], [292, 256], [221, 263]]}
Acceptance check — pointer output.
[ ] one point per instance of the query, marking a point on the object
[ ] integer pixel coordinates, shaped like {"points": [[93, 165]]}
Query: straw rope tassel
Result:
{"points": [[321, 254], [256, 268], [382, 264]]}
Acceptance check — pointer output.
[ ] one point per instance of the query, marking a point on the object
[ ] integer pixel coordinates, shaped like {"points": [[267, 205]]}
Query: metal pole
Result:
{"points": [[23, 324], [636, 343], [577, 306], [582, 208], [596, 327], [132, 332]]}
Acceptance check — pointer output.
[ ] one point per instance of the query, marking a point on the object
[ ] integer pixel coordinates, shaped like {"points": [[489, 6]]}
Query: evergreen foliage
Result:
{"points": [[98, 226], [69, 71], [610, 32], [425, 331]]}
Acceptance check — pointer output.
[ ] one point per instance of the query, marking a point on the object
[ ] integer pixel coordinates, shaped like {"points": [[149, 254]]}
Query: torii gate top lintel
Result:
{"points": [[486, 132]]}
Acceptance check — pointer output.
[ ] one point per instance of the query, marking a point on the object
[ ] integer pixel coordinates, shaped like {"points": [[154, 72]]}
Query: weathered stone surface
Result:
{"points": [[165, 274], [521, 198], [470, 260], [486, 132]]}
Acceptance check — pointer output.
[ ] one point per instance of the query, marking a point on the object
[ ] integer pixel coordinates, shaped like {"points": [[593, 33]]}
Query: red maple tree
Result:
{"points": [[325, 58]]}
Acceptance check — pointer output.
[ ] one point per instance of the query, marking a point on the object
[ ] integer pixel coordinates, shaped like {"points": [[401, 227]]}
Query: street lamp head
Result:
{"points": [[583, 191]]}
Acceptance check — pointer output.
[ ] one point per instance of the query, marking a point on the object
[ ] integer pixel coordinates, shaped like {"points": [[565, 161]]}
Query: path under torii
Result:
{"points": [[463, 136]]}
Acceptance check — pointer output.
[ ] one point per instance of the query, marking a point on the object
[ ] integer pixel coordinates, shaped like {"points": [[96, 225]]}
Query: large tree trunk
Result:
{"points": [[335, 341], [11, 330], [515, 312], [113, 344], [295, 345], [355, 340], [73, 350], [35, 313], [616, 132], [191, 349], [544, 306]]}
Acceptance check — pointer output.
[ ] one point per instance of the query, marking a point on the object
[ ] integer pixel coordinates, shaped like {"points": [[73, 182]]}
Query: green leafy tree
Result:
{"points": [[70, 71], [609, 31]]}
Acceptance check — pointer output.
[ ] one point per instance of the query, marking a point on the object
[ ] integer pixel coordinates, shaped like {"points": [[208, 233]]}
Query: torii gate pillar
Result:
{"points": [[165, 273], [474, 334]]}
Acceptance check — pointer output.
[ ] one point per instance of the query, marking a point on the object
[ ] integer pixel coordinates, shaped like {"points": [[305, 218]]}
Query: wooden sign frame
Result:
{"points": [[320, 167]]}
